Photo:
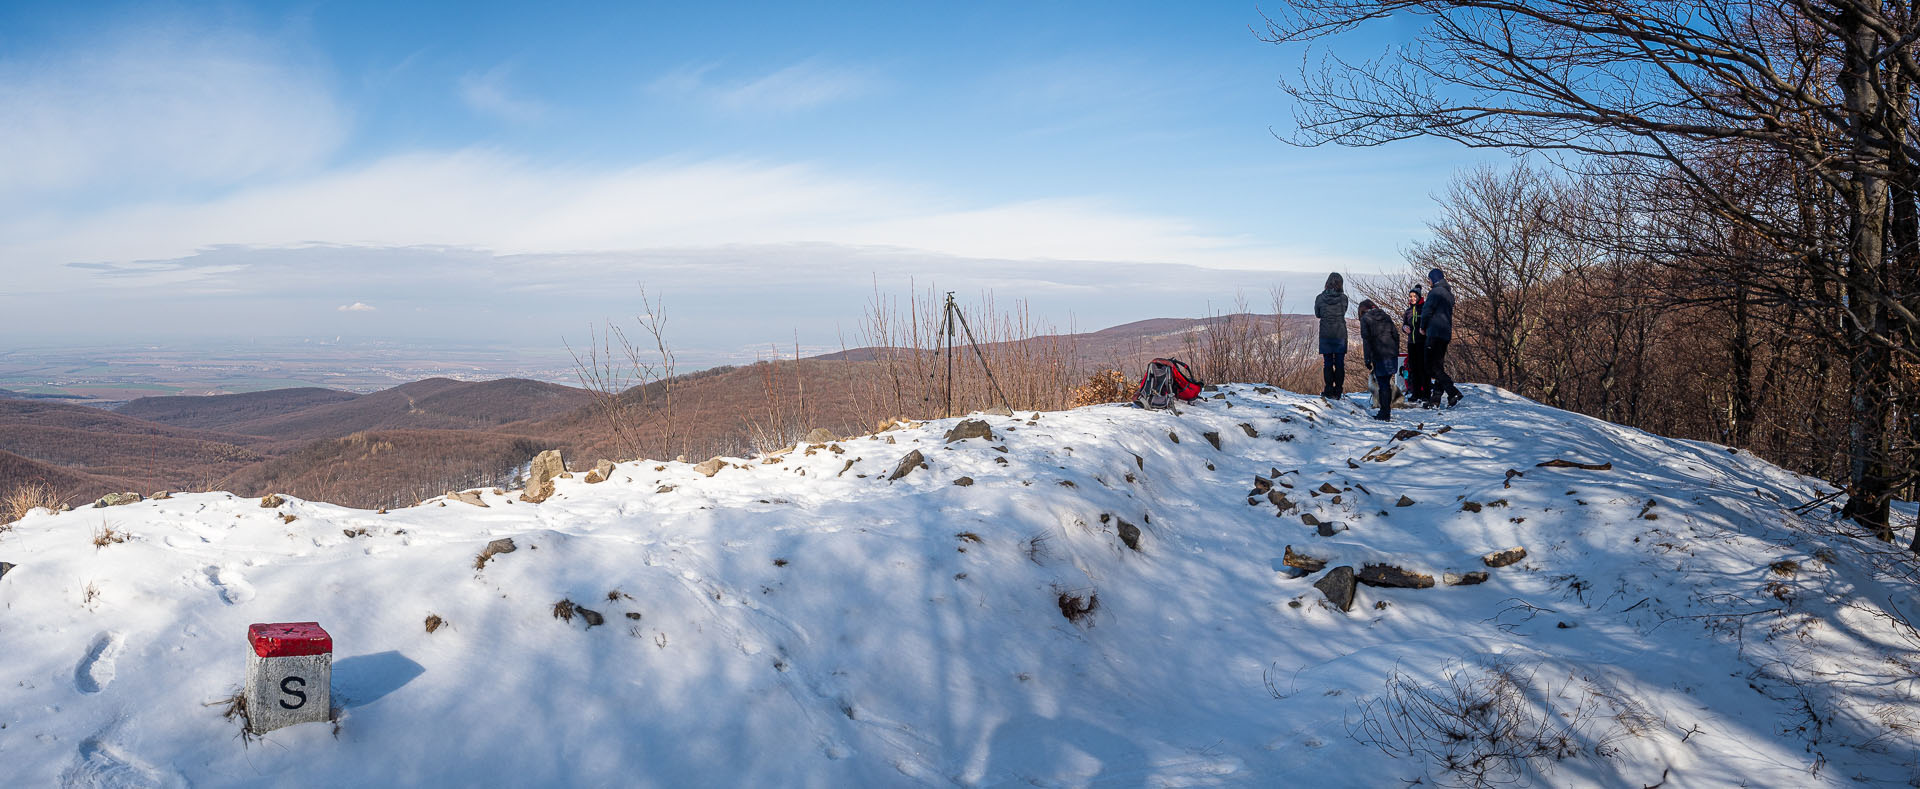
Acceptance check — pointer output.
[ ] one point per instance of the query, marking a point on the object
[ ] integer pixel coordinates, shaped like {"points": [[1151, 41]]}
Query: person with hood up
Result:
{"points": [[1331, 308], [1436, 316], [1417, 380], [1380, 342]]}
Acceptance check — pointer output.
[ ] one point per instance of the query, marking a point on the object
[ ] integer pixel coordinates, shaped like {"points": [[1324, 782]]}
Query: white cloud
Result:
{"points": [[161, 108], [358, 306], [488, 93], [481, 199], [803, 85]]}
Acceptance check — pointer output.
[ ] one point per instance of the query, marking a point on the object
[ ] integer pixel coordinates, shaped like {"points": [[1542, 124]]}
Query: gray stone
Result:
{"points": [[821, 435], [6, 567], [1251, 433], [1466, 579], [468, 496], [962, 481], [115, 500], [1280, 500], [1404, 502], [710, 466], [495, 548], [1504, 558], [1389, 576], [1212, 437], [1337, 585], [970, 428], [912, 461], [1308, 519], [546, 467], [1330, 528], [1130, 534], [283, 691]]}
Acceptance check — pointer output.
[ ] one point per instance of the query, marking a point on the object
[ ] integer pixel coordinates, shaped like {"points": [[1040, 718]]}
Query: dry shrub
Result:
{"points": [[1106, 386], [1077, 608], [108, 536], [23, 499], [1496, 725]]}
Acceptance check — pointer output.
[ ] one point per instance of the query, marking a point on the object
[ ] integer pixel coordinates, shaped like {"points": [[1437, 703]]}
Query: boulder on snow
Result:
{"points": [[546, 467], [1504, 558], [468, 496], [1212, 437], [6, 567], [1280, 500], [1248, 427], [961, 481], [1302, 561], [1330, 528], [821, 435], [1327, 487], [1129, 534], [710, 466], [970, 428], [1337, 585], [1389, 576], [1403, 502], [495, 548], [272, 501], [602, 471], [912, 461], [1464, 579], [1308, 519], [116, 499]]}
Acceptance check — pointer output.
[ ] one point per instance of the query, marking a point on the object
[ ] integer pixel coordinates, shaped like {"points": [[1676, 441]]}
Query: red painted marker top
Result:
{"points": [[289, 639]]}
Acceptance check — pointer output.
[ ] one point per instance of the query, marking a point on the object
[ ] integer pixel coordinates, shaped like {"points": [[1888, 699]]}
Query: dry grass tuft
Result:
{"points": [[1077, 608], [23, 499], [107, 536], [563, 610], [434, 622]]}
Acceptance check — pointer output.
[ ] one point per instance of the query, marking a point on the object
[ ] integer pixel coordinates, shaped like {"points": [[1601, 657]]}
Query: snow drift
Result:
{"points": [[805, 619]]}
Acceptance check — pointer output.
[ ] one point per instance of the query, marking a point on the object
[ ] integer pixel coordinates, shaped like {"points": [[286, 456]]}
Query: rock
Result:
{"points": [[594, 619], [1302, 561], [1504, 558], [604, 468], [1389, 576], [710, 466], [162, 496], [495, 548], [434, 622], [1251, 433], [593, 478], [970, 428], [116, 499], [912, 461], [1174, 437], [1471, 506], [1280, 500], [1468, 579], [468, 496], [546, 465], [1406, 434], [820, 435], [1308, 519], [1330, 528], [1404, 502], [535, 495], [1261, 485], [664, 489], [1327, 487], [1130, 534], [1338, 587], [271, 501], [1212, 437], [962, 482], [6, 567]]}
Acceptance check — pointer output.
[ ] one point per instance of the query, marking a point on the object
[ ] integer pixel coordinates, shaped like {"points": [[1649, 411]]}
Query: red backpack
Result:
{"points": [[1165, 381]]}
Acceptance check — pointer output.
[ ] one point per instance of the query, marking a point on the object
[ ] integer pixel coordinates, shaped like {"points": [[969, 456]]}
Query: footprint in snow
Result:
{"points": [[96, 670], [231, 585], [103, 764]]}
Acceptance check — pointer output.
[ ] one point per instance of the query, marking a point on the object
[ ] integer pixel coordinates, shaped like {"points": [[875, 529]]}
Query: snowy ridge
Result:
{"points": [[803, 620]]}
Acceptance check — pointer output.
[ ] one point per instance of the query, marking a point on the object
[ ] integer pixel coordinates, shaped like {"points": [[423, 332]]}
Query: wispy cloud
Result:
{"points": [[490, 93], [358, 306], [165, 108], [804, 85]]}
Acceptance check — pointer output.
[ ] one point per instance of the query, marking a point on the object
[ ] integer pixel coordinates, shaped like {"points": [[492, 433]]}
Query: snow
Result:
{"points": [[788, 624]]}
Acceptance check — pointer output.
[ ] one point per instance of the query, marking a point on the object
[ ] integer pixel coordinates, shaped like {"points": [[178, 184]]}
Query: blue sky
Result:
{"points": [[180, 170]]}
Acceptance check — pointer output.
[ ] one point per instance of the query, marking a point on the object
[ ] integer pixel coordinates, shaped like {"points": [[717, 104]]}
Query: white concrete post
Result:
{"points": [[289, 675]]}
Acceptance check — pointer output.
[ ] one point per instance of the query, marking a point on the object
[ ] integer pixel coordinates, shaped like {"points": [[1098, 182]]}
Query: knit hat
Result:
{"points": [[1366, 305], [1435, 276], [1415, 291]]}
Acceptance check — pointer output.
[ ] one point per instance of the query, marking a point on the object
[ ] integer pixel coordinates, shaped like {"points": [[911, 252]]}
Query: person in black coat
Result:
{"points": [[1437, 317], [1417, 379], [1380, 342], [1331, 308]]}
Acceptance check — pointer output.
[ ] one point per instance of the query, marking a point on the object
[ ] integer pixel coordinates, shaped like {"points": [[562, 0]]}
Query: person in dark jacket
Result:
{"points": [[1436, 316], [1331, 308], [1417, 380], [1380, 343]]}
